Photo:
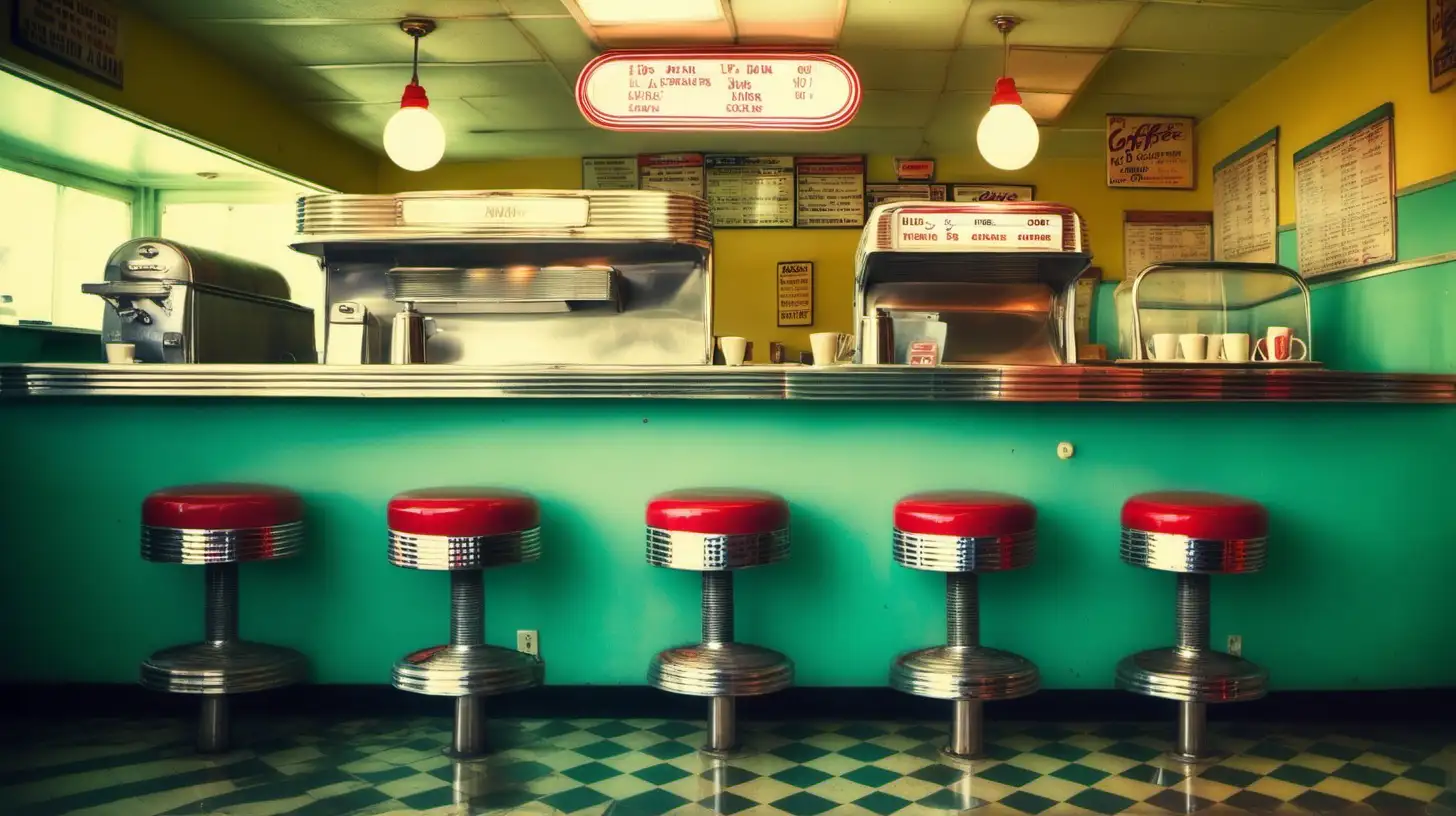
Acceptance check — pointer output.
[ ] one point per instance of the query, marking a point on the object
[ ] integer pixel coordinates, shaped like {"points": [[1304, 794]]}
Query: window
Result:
{"points": [[53, 238], [258, 231]]}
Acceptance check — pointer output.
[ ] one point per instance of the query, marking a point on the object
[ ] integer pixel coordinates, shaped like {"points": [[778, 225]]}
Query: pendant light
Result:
{"points": [[414, 139], [1007, 137]]}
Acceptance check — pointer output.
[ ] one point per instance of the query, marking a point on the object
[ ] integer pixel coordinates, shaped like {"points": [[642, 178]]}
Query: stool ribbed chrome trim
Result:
{"points": [[463, 552], [964, 673], [700, 552], [457, 671], [1177, 553], [233, 667], [1192, 677], [940, 553], [175, 545], [721, 670]]}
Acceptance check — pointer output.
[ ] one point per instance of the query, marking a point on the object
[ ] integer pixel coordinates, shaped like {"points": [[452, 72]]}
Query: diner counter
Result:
{"points": [[1087, 383]]}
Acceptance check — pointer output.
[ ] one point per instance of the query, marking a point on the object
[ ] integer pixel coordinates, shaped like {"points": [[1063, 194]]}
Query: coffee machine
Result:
{"points": [[991, 283], [515, 277]]}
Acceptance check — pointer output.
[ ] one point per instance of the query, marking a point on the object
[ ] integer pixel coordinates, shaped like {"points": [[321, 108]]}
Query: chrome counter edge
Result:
{"points": [[862, 383]]}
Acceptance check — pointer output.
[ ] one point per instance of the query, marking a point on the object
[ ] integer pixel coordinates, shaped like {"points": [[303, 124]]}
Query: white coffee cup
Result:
{"points": [[121, 352], [831, 348], [1163, 347], [1234, 348], [734, 348], [1215, 346], [1193, 346], [1278, 345]]}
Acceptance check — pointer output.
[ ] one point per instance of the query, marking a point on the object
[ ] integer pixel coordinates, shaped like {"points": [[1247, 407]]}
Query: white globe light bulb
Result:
{"points": [[414, 138], [1008, 137]]}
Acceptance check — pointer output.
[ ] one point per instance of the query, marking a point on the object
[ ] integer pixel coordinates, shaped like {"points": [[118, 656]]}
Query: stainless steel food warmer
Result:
{"points": [[499, 277], [1209, 297], [988, 282], [180, 304]]}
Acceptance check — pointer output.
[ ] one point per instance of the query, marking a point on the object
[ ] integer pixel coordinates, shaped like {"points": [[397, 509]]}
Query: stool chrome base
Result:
{"points": [[461, 671], [231, 667], [721, 670], [1192, 676], [964, 673]]}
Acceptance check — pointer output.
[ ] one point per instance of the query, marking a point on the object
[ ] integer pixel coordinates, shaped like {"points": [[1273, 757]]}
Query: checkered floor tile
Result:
{"points": [[652, 767]]}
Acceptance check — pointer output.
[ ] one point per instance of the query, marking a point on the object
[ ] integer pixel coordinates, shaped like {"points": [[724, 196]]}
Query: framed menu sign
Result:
{"points": [[1246, 202], [1150, 237], [831, 191], [81, 34], [672, 173], [609, 173], [992, 192], [1441, 35], [1344, 196], [751, 191], [1152, 152], [877, 194], [796, 293]]}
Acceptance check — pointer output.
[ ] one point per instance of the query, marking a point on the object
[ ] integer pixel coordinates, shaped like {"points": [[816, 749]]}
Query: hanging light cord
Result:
{"points": [[1005, 52], [415, 63]]}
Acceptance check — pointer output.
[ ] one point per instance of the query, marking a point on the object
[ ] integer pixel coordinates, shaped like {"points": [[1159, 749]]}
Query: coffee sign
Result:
{"points": [[1152, 152]]}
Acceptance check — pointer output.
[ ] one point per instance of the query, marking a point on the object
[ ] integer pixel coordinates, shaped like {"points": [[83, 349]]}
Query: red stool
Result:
{"points": [[219, 526], [962, 533], [716, 532], [1194, 535], [463, 530]]}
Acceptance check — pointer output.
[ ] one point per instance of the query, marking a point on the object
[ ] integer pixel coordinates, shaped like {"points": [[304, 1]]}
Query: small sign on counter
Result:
{"points": [[992, 192], [1151, 152], [609, 173], [673, 173], [81, 34], [796, 293], [751, 191], [831, 191], [924, 353]]}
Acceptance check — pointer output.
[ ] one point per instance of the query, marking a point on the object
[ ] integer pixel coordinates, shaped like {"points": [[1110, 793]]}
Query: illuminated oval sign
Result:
{"points": [[718, 89]]}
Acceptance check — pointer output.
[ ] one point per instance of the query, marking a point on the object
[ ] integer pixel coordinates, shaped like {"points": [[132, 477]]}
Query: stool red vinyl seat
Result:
{"points": [[1196, 515], [223, 506], [462, 512], [718, 511], [964, 514]]}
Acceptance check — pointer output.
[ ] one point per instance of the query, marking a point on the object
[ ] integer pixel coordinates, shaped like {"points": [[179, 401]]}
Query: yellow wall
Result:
{"points": [[745, 260], [1374, 56], [173, 82]]}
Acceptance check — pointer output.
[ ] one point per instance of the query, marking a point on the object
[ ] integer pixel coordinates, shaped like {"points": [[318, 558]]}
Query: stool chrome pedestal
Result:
{"points": [[961, 534], [1194, 535], [463, 531], [716, 532], [219, 526]]}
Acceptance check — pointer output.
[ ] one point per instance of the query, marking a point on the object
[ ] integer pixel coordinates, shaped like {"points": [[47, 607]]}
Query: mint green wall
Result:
{"points": [[1357, 594], [34, 345]]}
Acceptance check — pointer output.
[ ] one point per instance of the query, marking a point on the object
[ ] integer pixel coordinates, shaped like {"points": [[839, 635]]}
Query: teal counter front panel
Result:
{"points": [[1357, 593]]}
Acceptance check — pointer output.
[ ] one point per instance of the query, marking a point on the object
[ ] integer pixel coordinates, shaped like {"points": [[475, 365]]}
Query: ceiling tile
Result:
{"points": [[453, 41], [1223, 29], [1163, 74], [904, 24], [1063, 23], [365, 122], [334, 9], [898, 70], [801, 22], [896, 109], [974, 69], [384, 84], [1059, 143], [1090, 110], [541, 111], [1056, 70], [560, 39], [956, 117], [522, 8], [1045, 108]]}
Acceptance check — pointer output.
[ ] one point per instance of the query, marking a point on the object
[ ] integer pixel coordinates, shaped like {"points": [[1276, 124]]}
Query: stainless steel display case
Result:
{"points": [[996, 279], [180, 304], [1210, 297], [511, 277]]}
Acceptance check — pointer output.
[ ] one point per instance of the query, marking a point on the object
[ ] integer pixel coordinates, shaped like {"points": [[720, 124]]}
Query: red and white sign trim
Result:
{"points": [[724, 89]]}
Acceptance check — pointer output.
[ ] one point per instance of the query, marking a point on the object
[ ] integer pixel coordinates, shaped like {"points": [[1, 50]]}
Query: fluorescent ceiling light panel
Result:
{"points": [[627, 12], [800, 22]]}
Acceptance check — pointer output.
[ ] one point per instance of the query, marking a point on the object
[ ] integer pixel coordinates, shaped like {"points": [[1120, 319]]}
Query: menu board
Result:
{"points": [[952, 230], [877, 194], [751, 191], [1441, 45], [80, 34], [1344, 196], [609, 173], [673, 173], [1152, 152], [795, 289], [1150, 237], [992, 192], [831, 191], [1246, 202]]}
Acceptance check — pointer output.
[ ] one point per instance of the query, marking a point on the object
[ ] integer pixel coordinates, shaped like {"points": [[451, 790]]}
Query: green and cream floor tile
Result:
{"points": [[652, 767]]}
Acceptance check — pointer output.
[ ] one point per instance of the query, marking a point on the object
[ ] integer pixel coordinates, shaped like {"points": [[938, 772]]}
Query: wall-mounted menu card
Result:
{"points": [[796, 293], [831, 191], [751, 191], [609, 173], [992, 192], [1344, 196], [1441, 48], [1150, 237], [1151, 152], [877, 194], [80, 34], [1246, 202], [673, 173]]}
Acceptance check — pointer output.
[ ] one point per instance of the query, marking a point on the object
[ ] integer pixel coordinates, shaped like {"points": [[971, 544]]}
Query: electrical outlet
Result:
{"points": [[1236, 645], [528, 641]]}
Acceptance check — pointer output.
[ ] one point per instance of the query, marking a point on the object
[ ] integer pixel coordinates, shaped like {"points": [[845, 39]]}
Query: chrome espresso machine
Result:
{"points": [[507, 277], [969, 283]]}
